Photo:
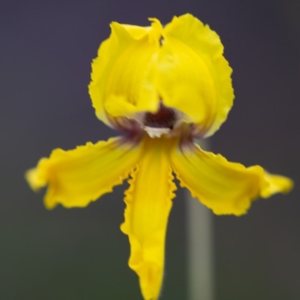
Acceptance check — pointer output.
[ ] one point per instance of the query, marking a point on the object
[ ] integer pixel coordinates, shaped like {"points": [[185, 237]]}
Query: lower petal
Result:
{"points": [[77, 177], [225, 187], [149, 200]]}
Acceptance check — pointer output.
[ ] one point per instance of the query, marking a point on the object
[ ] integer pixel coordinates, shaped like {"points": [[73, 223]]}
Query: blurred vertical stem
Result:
{"points": [[200, 248]]}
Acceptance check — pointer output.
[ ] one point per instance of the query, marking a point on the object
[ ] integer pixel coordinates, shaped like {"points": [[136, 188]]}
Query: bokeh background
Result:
{"points": [[45, 52]]}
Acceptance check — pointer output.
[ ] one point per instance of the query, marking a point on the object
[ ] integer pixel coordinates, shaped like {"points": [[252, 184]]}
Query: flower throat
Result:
{"points": [[163, 118]]}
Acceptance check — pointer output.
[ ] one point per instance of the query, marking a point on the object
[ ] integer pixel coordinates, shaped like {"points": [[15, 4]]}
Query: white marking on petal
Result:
{"points": [[154, 132]]}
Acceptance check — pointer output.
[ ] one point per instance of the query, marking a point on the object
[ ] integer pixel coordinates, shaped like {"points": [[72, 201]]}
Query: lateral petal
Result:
{"points": [[148, 203], [192, 74], [77, 177], [225, 187]]}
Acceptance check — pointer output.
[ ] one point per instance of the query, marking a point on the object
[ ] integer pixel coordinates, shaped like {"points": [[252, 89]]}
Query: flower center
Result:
{"points": [[161, 122], [163, 118]]}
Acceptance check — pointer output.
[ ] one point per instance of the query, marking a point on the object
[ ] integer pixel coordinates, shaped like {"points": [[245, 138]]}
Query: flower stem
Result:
{"points": [[200, 249]]}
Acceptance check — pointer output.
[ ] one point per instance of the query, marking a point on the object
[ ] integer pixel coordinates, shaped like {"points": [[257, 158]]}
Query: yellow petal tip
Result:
{"points": [[276, 184], [34, 180]]}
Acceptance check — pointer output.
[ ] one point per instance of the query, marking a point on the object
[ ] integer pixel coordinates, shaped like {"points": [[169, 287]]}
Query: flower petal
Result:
{"points": [[77, 177], [119, 82], [139, 32], [193, 73], [148, 203], [225, 187]]}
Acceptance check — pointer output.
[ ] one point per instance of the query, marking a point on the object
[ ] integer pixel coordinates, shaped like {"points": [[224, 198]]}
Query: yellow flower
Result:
{"points": [[162, 88]]}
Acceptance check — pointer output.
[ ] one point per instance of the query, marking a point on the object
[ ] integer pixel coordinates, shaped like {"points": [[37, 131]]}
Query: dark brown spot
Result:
{"points": [[163, 118]]}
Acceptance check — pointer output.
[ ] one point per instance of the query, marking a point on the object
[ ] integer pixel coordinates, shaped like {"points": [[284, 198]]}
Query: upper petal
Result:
{"points": [[77, 177], [193, 75], [119, 82], [153, 32], [225, 187], [148, 203]]}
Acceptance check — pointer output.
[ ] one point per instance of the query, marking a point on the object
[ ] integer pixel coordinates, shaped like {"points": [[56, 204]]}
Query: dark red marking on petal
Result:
{"points": [[164, 118]]}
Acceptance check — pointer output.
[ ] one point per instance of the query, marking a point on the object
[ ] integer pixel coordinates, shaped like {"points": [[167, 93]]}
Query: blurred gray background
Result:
{"points": [[45, 54]]}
